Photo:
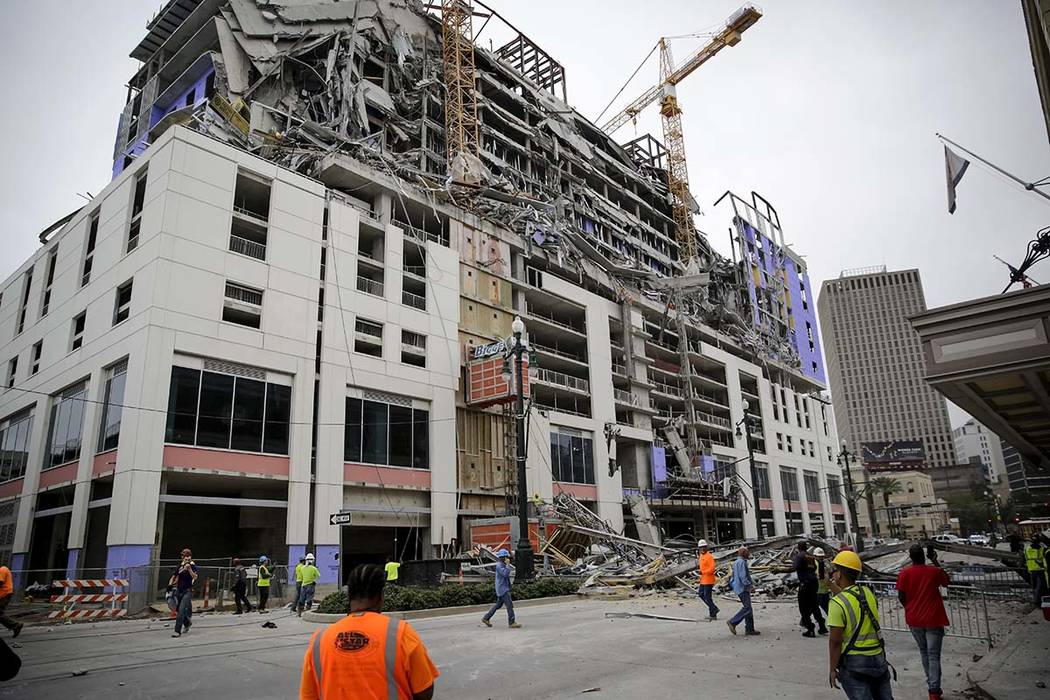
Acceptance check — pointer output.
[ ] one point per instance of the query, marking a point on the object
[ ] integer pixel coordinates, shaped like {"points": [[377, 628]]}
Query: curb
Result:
{"points": [[327, 618]]}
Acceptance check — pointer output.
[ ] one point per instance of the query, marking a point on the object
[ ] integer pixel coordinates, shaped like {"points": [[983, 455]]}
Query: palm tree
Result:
{"points": [[887, 486]]}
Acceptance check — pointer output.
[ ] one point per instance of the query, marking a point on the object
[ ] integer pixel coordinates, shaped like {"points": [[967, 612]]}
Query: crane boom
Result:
{"points": [[738, 22]]}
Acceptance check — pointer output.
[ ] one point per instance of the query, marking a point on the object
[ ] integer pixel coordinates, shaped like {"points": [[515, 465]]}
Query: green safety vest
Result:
{"points": [[1035, 558], [264, 575], [869, 640]]}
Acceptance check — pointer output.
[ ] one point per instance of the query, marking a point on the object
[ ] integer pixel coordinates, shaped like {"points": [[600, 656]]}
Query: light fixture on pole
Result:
{"points": [[844, 459], [746, 422], [523, 554]]}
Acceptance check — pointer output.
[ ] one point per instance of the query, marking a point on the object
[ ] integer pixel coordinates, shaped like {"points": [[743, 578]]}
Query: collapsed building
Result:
{"points": [[279, 326]]}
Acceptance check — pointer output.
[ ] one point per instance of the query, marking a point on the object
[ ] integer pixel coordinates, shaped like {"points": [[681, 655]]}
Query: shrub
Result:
{"points": [[450, 595]]}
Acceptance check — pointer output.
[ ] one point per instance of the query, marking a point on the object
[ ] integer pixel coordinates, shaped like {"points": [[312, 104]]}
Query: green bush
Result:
{"points": [[451, 595]]}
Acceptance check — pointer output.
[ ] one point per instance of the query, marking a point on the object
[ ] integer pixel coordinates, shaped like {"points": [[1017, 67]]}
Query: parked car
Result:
{"points": [[978, 540], [947, 538]]}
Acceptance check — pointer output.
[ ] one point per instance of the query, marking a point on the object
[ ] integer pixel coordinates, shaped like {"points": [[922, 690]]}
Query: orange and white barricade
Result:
{"points": [[70, 601]]}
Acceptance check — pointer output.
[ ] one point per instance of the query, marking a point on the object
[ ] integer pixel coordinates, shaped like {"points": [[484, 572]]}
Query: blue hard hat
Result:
{"points": [[502, 553], [263, 557]]}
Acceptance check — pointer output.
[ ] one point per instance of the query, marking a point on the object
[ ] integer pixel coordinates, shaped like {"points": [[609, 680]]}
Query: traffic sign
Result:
{"points": [[339, 519]]}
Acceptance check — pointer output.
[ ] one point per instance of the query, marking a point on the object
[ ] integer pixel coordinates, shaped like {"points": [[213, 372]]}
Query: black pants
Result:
{"points": [[808, 609], [239, 597], [4, 619], [264, 594]]}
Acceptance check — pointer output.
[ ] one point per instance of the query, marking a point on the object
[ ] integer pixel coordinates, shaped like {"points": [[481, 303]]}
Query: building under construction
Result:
{"points": [[288, 305]]}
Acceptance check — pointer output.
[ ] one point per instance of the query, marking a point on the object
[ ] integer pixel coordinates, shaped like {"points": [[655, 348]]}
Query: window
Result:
{"points": [[78, 331], [368, 337], [38, 350], [12, 370], [834, 491], [572, 457], [136, 211], [213, 409], [413, 348], [112, 407], [251, 212], [812, 483], [89, 248], [242, 305], [789, 484], [14, 445], [52, 261], [122, 305], [389, 434], [67, 422], [27, 282], [790, 444], [762, 480]]}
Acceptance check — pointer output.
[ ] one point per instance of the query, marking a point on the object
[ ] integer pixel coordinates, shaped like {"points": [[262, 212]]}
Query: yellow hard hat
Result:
{"points": [[847, 560]]}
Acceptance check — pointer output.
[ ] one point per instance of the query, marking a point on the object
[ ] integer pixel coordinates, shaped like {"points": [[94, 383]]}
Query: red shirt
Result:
{"points": [[923, 605]]}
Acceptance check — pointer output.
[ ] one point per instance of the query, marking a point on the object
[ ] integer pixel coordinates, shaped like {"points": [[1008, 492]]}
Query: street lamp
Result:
{"points": [[523, 556], [747, 423], [844, 460]]}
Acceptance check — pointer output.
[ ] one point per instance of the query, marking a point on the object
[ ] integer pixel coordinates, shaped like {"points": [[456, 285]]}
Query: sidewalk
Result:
{"points": [[1014, 669]]}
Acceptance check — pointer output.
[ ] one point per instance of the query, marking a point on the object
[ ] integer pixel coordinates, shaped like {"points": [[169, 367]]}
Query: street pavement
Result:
{"points": [[563, 650]]}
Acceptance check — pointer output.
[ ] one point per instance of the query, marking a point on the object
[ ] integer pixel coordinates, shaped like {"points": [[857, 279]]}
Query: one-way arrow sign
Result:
{"points": [[339, 519]]}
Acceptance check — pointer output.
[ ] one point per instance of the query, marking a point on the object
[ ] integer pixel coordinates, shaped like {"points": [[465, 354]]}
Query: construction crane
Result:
{"points": [[462, 143], [671, 112]]}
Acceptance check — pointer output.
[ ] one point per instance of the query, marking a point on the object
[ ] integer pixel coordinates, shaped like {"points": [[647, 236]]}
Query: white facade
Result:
{"points": [[972, 439]]}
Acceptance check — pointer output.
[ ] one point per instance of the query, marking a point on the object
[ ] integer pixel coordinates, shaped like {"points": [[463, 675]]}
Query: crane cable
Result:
{"points": [[620, 92]]}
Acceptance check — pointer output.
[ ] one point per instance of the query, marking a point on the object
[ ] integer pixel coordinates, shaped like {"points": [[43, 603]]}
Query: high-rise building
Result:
{"points": [[974, 440], [875, 364]]}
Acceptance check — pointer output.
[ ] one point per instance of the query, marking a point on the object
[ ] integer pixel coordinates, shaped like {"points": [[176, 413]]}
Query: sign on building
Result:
{"points": [[897, 454], [486, 385]]}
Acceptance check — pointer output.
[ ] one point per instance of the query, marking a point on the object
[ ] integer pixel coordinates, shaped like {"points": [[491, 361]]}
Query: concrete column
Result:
{"points": [[328, 476], [88, 445], [443, 525], [603, 408], [743, 467], [299, 453], [31, 481]]}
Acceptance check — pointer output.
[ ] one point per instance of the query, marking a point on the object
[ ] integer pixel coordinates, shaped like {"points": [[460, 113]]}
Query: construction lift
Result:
{"points": [[671, 113]]}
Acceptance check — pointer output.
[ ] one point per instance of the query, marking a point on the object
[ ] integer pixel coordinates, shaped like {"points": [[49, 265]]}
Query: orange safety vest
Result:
{"points": [[357, 658], [706, 563]]}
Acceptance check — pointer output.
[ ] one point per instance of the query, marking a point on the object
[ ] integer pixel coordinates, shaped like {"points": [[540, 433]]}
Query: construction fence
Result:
{"points": [[966, 606]]}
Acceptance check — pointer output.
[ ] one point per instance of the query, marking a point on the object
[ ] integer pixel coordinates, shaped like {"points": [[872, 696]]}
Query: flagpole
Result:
{"points": [[1031, 187]]}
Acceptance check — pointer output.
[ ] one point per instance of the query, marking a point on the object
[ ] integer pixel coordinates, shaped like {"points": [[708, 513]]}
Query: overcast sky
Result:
{"points": [[828, 109]]}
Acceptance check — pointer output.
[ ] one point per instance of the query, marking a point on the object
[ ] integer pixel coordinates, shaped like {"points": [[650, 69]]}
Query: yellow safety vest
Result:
{"points": [[869, 640], [1034, 558]]}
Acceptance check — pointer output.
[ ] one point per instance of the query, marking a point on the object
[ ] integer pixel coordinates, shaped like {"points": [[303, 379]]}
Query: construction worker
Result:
{"points": [[805, 567], [7, 593], [298, 583], [264, 582], [856, 652], [310, 576], [1035, 561], [822, 579], [392, 567], [743, 586], [367, 654], [706, 564], [502, 591], [918, 589], [240, 588], [183, 579]]}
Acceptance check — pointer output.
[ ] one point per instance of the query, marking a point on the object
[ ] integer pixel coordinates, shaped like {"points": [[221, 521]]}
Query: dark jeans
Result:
{"points": [[184, 609], [1038, 580], [306, 596], [822, 600], [808, 609], [504, 599], [298, 592], [240, 596], [865, 677], [707, 595], [4, 619], [264, 595], [745, 614], [929, 640]]}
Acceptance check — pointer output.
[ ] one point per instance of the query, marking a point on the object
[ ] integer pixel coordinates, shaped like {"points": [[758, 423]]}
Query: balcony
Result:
{"points": [[417, 270], [560, 353], [668, 389], [548, 318], [370, 258], [620, 369], [369, 286], [247, 247], [418, 234], [713, 420], [548, 376], [625, 397], [416, 301], [254, 216]]}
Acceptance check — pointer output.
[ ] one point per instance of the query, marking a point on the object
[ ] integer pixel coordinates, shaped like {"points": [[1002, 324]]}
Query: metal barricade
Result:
{"points": [[72, 603], [966, 606], [281, 593]]}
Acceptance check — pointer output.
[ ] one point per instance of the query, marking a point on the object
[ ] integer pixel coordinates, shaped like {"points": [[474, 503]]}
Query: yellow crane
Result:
{"points": [[671, 112]]}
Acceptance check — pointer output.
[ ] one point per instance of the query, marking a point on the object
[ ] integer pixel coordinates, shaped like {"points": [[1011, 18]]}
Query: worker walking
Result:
{"points": [[7, 594], [310, 576], [367, 654], [240, 588], [183, 579], [805, 568], [918, 589], [392, 568], [502, 591], [706, 564], [298, 583], [856, 651], [743, 586], [1035, 561], [822, 579], [264, 582]]}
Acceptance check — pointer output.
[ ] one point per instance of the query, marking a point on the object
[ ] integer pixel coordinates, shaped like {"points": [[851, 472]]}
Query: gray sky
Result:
{"points": [[828, 109]]}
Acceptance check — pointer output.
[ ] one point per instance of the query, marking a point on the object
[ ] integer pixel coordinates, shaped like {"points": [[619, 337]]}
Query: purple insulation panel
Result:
{"points": [[803, 313], [659, 465]]}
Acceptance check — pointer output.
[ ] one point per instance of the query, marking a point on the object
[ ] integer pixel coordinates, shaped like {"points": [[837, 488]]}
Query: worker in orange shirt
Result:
{"points": [[7, 592], [706, 562], [367, 655]]}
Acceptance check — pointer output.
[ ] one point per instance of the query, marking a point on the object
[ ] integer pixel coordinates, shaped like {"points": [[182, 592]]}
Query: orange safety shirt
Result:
{"points": [[707, 569], [366, 656], [7, 583]]}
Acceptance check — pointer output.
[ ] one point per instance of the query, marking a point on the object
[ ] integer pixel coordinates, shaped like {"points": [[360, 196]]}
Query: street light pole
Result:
{"points": [[843, 460], [524, 567], [746, 420]]}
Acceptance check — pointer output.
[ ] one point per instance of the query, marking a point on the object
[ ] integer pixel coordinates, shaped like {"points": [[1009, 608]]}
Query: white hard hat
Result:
{"points": [[309, 556], [818, 552], [701, 543]]}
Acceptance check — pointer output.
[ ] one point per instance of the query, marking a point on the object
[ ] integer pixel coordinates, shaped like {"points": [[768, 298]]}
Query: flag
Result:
{"points": [[954, 168]]}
